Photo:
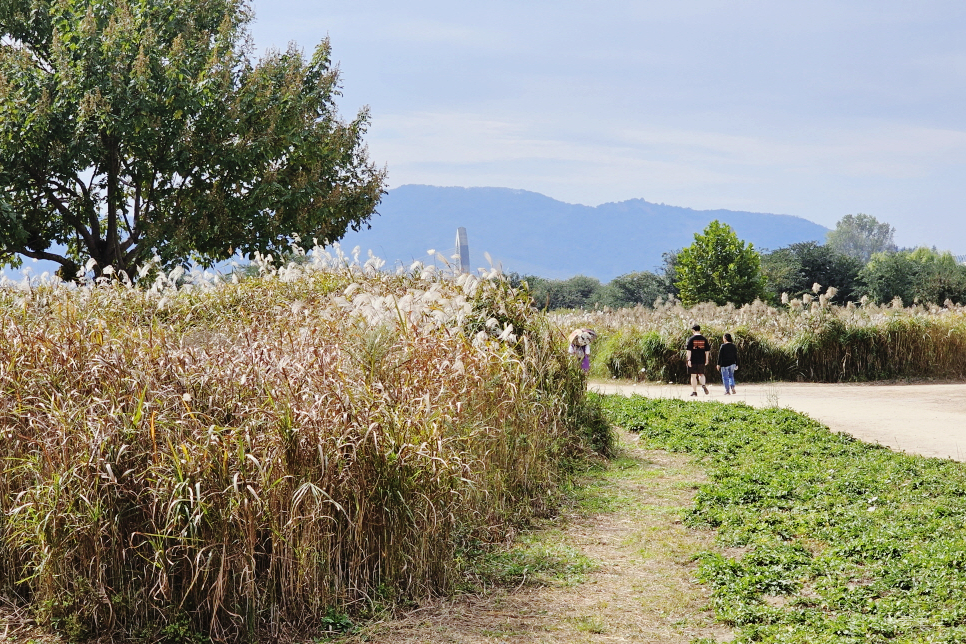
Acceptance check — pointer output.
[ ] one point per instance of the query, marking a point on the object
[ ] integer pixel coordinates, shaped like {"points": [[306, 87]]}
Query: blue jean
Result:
{"points": [[728, 377]]}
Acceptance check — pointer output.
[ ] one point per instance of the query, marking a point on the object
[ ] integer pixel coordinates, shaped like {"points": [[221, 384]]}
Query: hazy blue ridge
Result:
{"points": [[530, 233]]}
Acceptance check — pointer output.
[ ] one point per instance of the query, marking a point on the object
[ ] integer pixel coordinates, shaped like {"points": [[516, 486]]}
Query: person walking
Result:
{"points": [[580, 340], [699, 355], [728, 363]]}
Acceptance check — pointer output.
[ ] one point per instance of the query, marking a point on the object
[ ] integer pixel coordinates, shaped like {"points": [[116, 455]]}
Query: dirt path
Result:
{"points": [[641, 590], [927, 419]]}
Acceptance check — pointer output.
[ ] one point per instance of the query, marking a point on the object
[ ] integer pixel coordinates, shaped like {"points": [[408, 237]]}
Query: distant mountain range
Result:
{"points": [[533, 234]]}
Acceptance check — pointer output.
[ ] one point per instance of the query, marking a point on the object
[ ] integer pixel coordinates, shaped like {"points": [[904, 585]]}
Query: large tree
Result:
{"points": [[861, 236], [134, 128], [718, 267]]}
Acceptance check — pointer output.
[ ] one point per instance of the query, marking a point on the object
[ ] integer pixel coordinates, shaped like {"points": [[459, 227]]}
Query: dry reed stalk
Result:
{"points": [[247, 456]]}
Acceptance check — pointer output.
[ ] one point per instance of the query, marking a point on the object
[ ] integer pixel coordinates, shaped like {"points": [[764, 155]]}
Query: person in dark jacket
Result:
{"points": [[728, 363]]}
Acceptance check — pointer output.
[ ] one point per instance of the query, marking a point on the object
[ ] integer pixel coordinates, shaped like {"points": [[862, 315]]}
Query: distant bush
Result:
{"points": [[581, 292], [632, 289], [917, 276], [920, 275], [578, 292], [794, 269], [234, 459]]}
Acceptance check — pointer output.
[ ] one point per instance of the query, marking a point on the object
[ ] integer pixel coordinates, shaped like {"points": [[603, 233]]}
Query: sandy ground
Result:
{"points": [[927, 419]]}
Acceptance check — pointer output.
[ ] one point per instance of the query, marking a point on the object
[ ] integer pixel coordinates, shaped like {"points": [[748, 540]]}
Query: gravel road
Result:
{"points": [[927, 419]]}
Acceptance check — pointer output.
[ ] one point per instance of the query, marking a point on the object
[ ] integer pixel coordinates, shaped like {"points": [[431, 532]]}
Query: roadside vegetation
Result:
{"points": [[877, 313], [808, 339], [824, 538], [236, 459]]}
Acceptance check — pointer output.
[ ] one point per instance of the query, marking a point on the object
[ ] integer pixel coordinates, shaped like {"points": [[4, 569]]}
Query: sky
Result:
{"points": [[817, 109]]}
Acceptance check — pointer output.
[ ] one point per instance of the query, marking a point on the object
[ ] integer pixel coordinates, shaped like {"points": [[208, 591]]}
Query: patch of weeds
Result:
{"points": [[835, 540], [601, 492], [533, 561], [596, 429], [335, 624], [589, 624], [180, 631]]}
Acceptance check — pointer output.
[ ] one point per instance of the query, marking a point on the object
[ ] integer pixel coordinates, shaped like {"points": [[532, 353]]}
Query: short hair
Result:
{"points": [[728, 337], [696, 327]]}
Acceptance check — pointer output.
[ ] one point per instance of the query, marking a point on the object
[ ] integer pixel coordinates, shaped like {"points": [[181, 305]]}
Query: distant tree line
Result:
{"points": [[582, 292], [859, 259]]}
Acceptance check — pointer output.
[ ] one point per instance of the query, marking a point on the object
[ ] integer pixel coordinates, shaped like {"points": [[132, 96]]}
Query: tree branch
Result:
{"points": [[132, 239], [62, 208], [44, 255], [132, 255], [113, 199], [136, 209], [92, 219], [39, 57], [86, 190]]}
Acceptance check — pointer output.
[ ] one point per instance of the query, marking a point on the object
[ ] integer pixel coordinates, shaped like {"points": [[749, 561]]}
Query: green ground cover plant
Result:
{"points": [[826, 539], [244, 459], [809, 339], [533, 560]]}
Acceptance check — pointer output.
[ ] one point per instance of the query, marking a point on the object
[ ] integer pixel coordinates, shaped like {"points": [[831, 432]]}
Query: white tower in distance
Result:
{"points": [[463, 250]]}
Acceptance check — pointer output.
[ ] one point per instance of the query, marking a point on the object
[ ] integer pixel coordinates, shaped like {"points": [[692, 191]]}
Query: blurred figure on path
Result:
{"points": [[728, 363], [699, 354], [580, 340]]}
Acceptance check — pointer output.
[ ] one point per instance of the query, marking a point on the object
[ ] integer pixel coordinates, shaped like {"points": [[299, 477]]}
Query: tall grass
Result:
{"points": [[809, 341], [246, 457]]}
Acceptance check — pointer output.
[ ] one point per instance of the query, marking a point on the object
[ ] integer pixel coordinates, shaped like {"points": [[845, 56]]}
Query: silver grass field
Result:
{"points": [[808, 339], [244, 456]]}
